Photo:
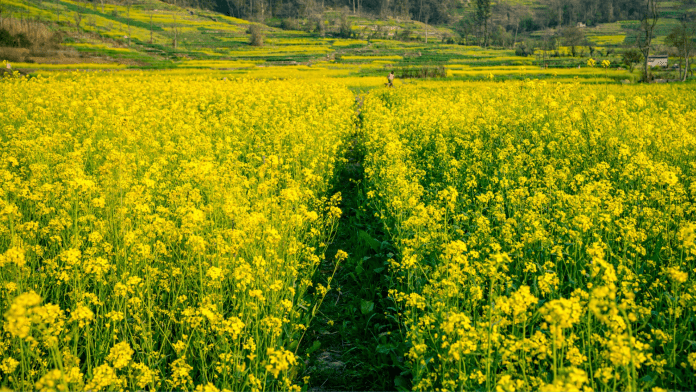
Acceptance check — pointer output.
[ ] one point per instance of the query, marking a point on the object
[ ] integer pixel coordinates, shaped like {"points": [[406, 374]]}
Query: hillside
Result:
{"points": [[151, 33], [66, 34]]}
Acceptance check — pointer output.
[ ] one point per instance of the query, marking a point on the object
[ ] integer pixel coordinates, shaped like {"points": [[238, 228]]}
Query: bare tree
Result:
{"points": [[646, 32], [175, 30], [384, 6], [555, 9], [93, 23], [317, 19], [426, 19], [509, 16], [682, 38], [129, 3], [230, 3], [78, 20], [483, 15]]}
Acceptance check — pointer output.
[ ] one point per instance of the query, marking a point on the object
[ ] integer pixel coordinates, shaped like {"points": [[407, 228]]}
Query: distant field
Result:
{"points": [[190, 229], [155, 35]]}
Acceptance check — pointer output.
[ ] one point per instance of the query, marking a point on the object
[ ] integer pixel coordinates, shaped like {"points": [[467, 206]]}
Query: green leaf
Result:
{"points": [[402, 384], [366, 306], [371, 242], [385, 348], [315, 347]]}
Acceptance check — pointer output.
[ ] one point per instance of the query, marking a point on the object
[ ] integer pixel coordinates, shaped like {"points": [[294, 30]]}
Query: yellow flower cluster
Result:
{"points": [[161, 231], [545, 232]]}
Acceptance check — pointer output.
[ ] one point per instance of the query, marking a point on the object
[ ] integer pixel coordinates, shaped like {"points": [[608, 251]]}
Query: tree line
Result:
{"points": [[511, 14], [427, 11]]}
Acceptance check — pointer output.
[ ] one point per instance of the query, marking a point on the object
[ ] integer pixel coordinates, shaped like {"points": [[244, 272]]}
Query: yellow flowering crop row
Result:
{"points": [[546, 232], [160, 231]]}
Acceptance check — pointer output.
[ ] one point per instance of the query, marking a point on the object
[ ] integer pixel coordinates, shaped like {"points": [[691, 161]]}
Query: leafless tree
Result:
{"points": [[129, 3], [682, 38], [175, 30], [78, 20], [646, 32], [483, 16], [426, 19]]}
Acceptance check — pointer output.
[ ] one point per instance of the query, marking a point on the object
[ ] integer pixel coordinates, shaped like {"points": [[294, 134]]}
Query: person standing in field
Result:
{"points": [[391, 79]]}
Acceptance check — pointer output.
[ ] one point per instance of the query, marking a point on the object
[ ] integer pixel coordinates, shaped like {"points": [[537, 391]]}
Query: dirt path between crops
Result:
{"points": [[359, 347]]}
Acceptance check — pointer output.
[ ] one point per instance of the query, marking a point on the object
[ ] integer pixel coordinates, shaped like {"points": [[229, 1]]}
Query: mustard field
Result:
{"points": [[545, 233], [161, 232], [178, 231]]}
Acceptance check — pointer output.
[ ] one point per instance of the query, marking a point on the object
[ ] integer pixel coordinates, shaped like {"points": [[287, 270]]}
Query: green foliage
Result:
{"points": [[346, 29], [630, 58], [483, 10], [357, 343], [523, 49], [289, 24], [255, 35], [421, 72], [573, 37], [19, 40]]}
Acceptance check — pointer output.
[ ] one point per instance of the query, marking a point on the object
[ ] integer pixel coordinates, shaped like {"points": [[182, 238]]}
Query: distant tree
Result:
{"points": [[465, 27], [483, 15], [426, 19], [231, 7], [501, 37], [646, 32], [529, 24], [509, 15], [682, 38], [573, 36], [345, 28], [523, 49], [555, 10], [255, 35], [289, 24], [317, 20], [129, 3], [78, 20], [401, 8], [630, 58], [176, 31], [548, 43], [151, 14]]}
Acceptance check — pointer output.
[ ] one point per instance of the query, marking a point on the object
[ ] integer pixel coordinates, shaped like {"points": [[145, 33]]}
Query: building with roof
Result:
{"points": [[658, 61]]}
